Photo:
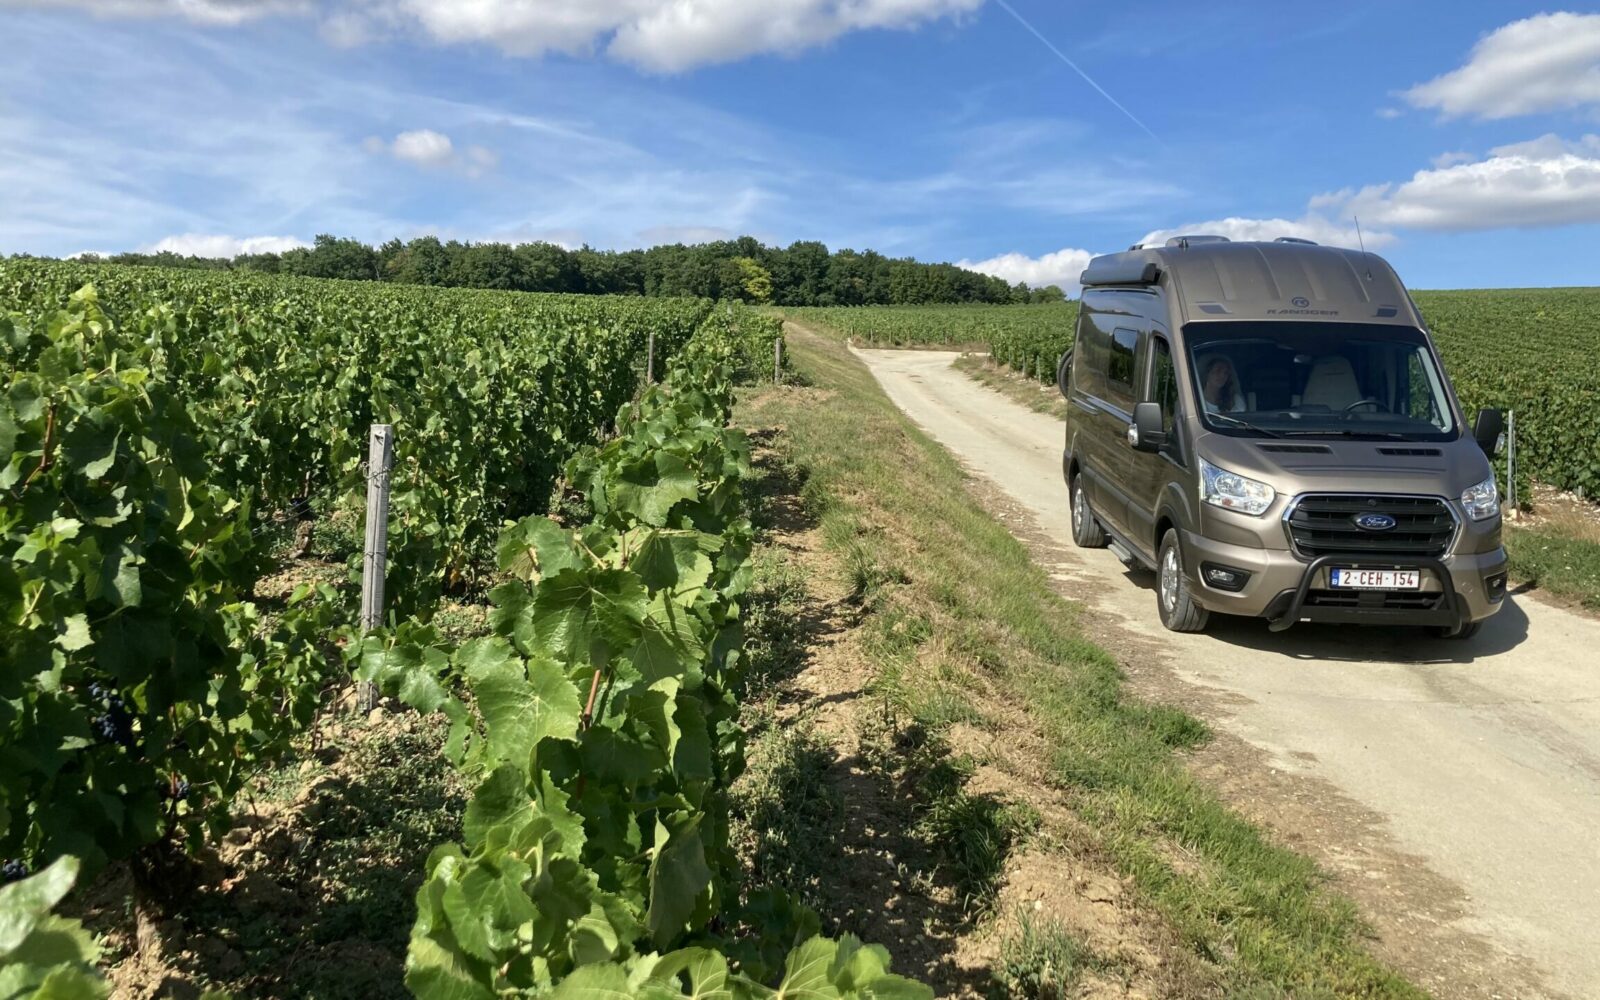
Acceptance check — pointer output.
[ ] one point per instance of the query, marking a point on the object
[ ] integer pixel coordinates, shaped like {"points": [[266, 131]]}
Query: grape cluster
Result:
{"points": [[177, 790], [13, 871], [115, 724]]}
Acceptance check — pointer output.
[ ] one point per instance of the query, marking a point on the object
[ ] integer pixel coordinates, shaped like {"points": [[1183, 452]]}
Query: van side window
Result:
{"points": [[1163, 382], [1089, 360], [1420, 391], [1120, 365]]}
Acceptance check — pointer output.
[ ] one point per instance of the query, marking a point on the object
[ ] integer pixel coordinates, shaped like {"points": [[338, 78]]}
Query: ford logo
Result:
{"points": [[1300, 301], [1374, 522]]}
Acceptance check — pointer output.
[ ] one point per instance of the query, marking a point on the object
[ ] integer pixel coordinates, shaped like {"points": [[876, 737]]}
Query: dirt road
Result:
{"points": [[1482, 757]]}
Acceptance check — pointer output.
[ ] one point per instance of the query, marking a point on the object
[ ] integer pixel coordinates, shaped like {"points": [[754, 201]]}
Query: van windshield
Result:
{"points": [[1294, 379]]}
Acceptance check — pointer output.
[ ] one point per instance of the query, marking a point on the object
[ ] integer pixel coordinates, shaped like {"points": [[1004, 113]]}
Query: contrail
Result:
{"points": [[1087, 78]]}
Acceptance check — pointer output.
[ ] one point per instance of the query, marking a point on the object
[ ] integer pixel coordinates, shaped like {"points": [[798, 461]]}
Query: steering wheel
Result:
{"points": [[1366, 402]]}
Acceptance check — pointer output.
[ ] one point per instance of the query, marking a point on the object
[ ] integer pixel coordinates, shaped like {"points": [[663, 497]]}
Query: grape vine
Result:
{"points": [[603, 734]]}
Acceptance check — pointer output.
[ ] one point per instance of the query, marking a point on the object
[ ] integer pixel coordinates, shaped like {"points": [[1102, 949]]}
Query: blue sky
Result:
{"points": [[1462, 134]]}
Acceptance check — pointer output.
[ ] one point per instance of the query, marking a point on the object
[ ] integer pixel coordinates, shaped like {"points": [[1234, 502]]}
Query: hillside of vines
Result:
{"points": [[147, 421], [1530, 350]]}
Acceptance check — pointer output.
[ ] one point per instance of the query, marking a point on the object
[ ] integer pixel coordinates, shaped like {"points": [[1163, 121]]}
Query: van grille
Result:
{"points": [[1375, 599], [1324, 524]]}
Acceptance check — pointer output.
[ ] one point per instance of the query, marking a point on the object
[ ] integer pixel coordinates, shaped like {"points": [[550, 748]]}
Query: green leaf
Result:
{"points": [[672, 561], [678, 874], [502, 799], [805, 975], [24, 904], [536, 547], [8, 433], [692, 759], [574, 612], [122, 572], [655, 707], [595, 982], [436, 973], [669, 643], [619, 760], [74, 633], [521, 704], [92, 451], [707, 971], [650, 489]]}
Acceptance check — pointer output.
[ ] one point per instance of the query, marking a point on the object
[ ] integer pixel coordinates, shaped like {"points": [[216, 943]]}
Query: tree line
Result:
{"points": [[804, 273]]}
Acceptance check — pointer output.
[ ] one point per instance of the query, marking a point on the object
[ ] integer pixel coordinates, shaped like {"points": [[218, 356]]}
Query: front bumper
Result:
{"points": [[1286, 588]]}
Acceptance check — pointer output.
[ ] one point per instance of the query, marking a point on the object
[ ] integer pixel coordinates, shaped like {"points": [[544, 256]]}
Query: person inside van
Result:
{"points": [[1221, 387]]}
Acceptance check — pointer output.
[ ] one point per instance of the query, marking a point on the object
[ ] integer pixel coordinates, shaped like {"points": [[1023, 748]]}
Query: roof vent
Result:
{"points": [[1295, 239], [1184, 242]]}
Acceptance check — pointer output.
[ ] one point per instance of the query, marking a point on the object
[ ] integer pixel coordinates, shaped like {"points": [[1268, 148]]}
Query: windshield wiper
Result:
{"points": [[1244, 424], [1351, 433]]}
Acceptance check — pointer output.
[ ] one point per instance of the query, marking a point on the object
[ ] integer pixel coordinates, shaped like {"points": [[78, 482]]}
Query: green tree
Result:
{"points": [[748, 280]]}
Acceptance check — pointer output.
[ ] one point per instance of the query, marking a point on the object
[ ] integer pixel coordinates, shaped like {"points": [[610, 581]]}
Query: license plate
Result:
{"points": [[1376, 579]]}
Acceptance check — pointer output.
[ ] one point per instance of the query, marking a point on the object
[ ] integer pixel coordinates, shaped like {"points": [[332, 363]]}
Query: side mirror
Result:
{"points": [[1147, 431], [1487, 430], [1064, 372]]}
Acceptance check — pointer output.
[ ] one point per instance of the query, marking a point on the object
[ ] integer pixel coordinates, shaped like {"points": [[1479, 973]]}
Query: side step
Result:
{"points": [[1124, 553]]}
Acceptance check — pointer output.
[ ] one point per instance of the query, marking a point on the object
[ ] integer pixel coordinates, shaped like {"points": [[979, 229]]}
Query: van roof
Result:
{"points": [[1218, 280]]}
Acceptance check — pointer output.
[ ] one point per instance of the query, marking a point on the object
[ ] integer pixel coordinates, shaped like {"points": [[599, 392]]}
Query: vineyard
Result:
{"points": [[1529, 350], [1026, 337], [155, 425]]}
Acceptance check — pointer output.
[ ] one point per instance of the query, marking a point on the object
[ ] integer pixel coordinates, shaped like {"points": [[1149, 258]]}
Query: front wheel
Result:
{"points": [[1086, 531], [1179, 612]]}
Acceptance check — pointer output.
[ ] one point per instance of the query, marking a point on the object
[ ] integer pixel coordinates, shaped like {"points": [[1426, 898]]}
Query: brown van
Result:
{"points": [[1268, 428]]}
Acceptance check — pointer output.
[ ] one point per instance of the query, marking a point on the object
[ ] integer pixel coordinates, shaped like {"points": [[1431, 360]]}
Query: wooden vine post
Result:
{"points": [[380, 461]]}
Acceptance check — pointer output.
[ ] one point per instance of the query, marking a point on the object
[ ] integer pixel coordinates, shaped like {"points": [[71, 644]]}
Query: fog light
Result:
{"points": [[1224, 577], [1494, 587]]}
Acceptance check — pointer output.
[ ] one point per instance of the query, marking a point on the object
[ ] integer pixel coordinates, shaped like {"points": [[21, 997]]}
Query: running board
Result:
{"points": [[1123, 552]]}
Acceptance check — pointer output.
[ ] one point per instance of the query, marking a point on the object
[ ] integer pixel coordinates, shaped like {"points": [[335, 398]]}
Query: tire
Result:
{"points": [[1086, 531], [1179, 612], [1466, 631]]}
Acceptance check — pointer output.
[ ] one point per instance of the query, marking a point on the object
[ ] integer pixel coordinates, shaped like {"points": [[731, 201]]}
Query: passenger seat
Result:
{"points": [[1332, 383]]}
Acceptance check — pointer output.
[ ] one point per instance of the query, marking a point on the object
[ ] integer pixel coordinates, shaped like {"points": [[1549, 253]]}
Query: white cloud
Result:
{"points": [[1389, 114], [201, 245], [1544, 182], [1061, 268], [1548, 181], [1548, 62], [1314, 225], [674, 37], [653, 35], [222, 12], [424, 147], [427, 148], [1548, 147]]}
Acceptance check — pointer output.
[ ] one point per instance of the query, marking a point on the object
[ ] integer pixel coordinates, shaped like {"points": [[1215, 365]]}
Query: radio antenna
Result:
{"points": [[1363, 243]]}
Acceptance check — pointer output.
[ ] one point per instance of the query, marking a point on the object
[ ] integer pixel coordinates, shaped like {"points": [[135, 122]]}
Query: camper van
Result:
{"points": [[1268, 428]]}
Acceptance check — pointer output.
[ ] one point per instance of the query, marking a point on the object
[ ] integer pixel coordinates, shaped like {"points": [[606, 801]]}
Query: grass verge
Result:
{"points": [[1559, 554], [1031, 393], [938, 569]]}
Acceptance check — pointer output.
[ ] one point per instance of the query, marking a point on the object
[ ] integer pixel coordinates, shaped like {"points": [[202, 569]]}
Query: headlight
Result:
{"points": [[1233, 491], [1482, 500]]}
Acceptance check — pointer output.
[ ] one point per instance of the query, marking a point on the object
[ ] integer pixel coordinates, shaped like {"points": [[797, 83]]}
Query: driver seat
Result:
{"points": [[1332, 383]]}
